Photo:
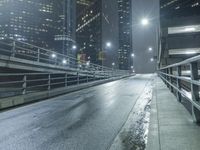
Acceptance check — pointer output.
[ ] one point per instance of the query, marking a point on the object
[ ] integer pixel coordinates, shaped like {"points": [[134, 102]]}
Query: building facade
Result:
{"points": [[44, 23], [89, 29], [125, 34], [180, 30], [97, 25]]}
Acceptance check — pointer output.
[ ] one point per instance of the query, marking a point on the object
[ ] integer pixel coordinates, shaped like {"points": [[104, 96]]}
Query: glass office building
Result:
{"points": [[44, 23], [125, 34]]}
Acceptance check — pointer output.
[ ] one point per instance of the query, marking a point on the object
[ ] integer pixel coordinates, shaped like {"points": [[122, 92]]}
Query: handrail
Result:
{"points": [[177, 83], [23, 83], [187, 61], [42, 55]]}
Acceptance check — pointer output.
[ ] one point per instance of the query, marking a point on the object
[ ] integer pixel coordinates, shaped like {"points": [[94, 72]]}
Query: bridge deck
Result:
{"points": [[171, 125]]}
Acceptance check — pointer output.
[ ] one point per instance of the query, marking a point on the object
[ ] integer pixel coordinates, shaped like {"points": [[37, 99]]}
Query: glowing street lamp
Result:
{"points": [[88, 63], [144, 21], [132, 55], [74, 47], [151, 59], [108, 44], [53, 55], [64, 61], [150, 49]]}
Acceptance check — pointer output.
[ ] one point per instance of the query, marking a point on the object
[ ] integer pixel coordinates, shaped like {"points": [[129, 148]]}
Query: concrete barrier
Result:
{"points": [[38, 96]]}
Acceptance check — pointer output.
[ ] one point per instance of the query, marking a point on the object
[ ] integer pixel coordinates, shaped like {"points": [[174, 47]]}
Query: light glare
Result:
{"points": [[145, 21], [108, 44]]}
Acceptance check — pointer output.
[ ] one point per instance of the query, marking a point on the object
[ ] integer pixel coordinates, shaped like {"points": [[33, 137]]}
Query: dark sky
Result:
{"points": [[145, 36]]}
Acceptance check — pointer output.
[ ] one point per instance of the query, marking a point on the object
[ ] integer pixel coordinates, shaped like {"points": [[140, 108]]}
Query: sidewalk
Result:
{"points": [[171, 125]]}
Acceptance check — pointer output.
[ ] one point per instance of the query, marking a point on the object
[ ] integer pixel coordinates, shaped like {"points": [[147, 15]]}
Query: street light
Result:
{"points": [[132, 55], [64, 61], [144, 21], [53, 55], [150, 49], [113, 64], [88, 63], [108, 44], [151, 59], [74, 47]]}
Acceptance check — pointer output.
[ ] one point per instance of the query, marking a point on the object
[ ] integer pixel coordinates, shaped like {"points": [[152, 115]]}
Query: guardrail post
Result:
{"points": [[87, 77], [171, 79], [38, 55], [195, 91], [167, 77], [24, 85], [94, 76], [66, 80], [13, 49], [179, 83], [49, 82], [78, 80]]}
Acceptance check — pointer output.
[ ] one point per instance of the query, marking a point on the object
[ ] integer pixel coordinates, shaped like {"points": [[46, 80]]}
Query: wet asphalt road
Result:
{"points": [[85, 120]]}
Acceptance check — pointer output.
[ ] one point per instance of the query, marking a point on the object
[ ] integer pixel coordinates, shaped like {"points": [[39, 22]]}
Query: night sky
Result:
{"points": [[143, 37]]}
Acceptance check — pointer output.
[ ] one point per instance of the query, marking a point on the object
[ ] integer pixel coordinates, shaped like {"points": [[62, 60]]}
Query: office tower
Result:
{"points": [[97, 25], [45, 23], [125, 34], [89, 28]]}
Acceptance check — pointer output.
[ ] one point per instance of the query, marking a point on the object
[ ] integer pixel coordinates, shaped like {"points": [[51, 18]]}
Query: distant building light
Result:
{"points": [[186, 51], [184, 29], [190, 52], [151, 59], [190, 29]]}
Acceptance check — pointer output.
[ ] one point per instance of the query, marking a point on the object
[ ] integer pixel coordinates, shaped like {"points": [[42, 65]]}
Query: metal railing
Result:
{"points": [[76, 71], [25, 51], [15, 84], [183, 80]]}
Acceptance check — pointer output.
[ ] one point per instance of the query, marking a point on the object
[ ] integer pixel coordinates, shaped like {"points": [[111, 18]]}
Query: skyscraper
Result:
{"points": [[96, 25], [125, 34], [89, 28], [45, 23], [180, 30]]}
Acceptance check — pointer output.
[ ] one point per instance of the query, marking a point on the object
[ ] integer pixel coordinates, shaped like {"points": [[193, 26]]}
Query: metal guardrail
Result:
{"points": [[25, 51], [187, 85], [23, 83]]}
